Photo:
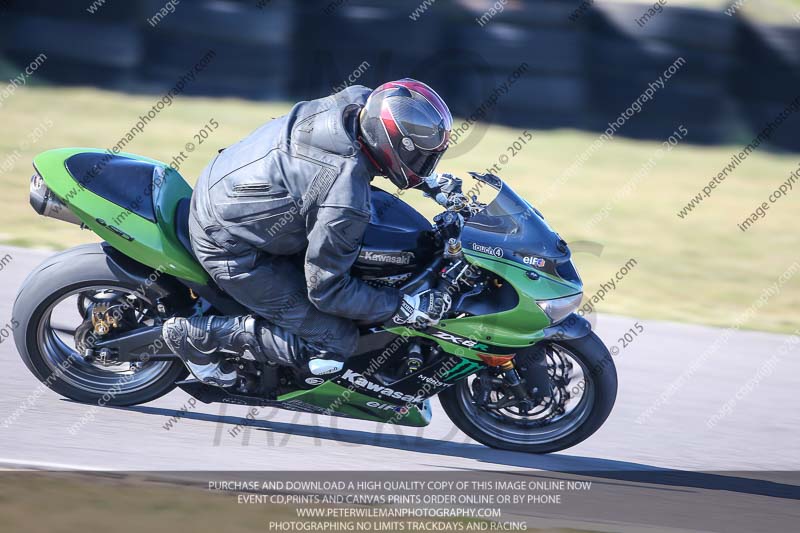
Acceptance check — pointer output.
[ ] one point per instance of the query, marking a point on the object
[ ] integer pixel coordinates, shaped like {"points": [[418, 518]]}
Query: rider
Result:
{"points": [[278, 219]]}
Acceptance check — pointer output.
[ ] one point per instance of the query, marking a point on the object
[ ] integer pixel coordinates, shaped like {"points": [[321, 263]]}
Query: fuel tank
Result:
{"points": [[398, 242]]}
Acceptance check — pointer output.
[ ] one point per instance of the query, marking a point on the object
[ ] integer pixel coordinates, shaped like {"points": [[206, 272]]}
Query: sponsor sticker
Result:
{"points": [[393, 258], [432, 381], [491, 250], [534, 261], [360, 381], [455, 339], [402, 409]]}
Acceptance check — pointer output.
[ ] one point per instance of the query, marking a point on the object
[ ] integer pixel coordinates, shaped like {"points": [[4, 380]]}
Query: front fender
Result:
{"points": [[572, 327]]}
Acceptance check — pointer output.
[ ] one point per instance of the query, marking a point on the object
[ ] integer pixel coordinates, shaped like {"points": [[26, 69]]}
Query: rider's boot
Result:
{"points": [[313, 364], [325, 363], [203, 343]]}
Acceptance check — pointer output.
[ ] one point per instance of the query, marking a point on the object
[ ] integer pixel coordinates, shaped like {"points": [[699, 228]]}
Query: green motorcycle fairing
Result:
{"points": [[512, 240], [333, 399], [503, 242], [154, 244]]}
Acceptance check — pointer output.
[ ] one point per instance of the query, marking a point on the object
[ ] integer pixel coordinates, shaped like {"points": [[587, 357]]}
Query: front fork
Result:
{"points": [[537, 384], [526, 393], [511, 378]]}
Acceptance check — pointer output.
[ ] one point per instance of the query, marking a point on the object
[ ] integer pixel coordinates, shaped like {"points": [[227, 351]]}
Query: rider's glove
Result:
{"points": [[447, 183], [441, 186], [423, 309]]}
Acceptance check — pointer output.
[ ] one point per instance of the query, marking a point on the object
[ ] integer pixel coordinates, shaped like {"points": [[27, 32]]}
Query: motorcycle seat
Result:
{"points": [[121, 180], [182, 224]]}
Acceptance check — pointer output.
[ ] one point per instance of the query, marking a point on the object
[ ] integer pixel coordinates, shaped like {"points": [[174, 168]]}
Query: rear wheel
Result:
{"points": [[584, 388], [72, 301]]}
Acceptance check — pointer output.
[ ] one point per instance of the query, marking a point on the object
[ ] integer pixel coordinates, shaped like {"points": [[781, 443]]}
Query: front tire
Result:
{"points": [[44, 346], [598, 383]]}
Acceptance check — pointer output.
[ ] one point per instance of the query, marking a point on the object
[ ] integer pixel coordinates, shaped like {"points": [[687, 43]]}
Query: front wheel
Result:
{"points": [[69, 302], [584, 388]]}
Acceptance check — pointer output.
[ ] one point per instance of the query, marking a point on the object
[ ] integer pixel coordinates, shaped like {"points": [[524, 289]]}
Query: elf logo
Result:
{"points": [[455, 339], [402, 409], [535, 261], [360, 381]]}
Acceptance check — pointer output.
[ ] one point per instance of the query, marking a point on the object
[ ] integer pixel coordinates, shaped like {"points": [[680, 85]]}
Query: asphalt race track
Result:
{"points": [[670, 387]]}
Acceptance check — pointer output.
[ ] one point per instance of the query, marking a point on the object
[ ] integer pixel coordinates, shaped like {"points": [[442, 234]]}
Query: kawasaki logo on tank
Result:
{"points": [[396, 258]]}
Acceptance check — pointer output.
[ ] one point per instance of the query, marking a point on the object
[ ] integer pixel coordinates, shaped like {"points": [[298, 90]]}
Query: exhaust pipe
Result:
{"points": [[48, 204]]}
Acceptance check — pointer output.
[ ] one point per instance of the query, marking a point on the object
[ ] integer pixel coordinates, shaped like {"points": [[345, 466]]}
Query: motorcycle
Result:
{"points": [[513, 365]]}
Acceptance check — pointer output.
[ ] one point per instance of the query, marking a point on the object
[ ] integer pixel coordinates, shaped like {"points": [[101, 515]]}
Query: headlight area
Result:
{"points": [[558, 309]]}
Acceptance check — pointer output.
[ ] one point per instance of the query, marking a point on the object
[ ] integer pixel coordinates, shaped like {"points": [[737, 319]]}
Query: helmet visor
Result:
{"points": [[420, 162]]}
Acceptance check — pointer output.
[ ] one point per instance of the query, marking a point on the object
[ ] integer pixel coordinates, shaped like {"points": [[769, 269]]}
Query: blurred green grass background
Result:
{"points": [[702, 269]]}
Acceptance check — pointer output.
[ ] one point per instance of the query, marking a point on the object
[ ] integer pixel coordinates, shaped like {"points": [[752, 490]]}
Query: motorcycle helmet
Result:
{"points": [[405, 127]]}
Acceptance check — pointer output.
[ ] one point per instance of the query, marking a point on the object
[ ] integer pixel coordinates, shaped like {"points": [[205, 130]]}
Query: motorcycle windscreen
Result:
{"points": [[515, 227]]}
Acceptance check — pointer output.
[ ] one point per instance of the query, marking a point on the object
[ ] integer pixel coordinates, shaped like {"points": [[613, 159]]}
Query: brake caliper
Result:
{"points": [[102, 320]]}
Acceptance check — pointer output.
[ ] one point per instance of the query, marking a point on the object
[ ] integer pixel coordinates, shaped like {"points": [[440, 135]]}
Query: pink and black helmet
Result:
{"points": [[405, 127]]}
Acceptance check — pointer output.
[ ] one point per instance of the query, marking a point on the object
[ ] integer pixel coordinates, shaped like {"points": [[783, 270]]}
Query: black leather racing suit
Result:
{"points": [[277, 220]]}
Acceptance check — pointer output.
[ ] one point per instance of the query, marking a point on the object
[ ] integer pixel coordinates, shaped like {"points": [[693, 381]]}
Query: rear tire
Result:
{"points": [[81, 267], [601, 381]]}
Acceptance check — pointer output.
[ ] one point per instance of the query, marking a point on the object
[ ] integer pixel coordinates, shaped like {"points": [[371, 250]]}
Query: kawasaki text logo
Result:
{"points": [[402, 258], [360, 381]]}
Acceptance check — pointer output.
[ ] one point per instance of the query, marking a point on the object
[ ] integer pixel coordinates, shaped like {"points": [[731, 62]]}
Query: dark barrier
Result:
{"points": [[623, 59], [767, 79], [103, 52], [363, 42], [539, 64], [537, 52], [251, 45]]}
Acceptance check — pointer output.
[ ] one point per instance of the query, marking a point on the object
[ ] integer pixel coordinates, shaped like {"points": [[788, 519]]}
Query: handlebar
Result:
{"points": [[446, 190]]}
